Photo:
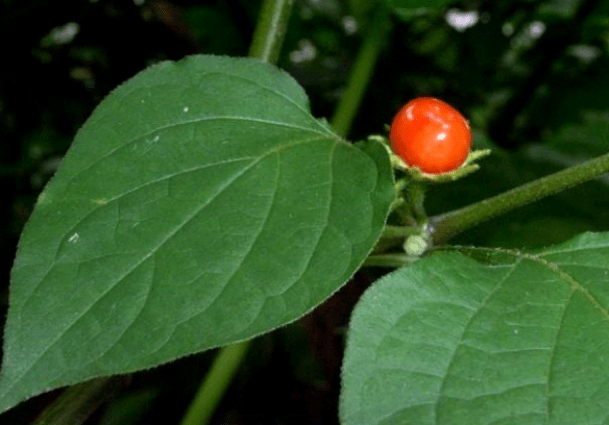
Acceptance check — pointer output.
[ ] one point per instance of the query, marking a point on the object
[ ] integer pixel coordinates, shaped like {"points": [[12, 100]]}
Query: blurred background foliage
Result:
{"points": [[532, 76]]}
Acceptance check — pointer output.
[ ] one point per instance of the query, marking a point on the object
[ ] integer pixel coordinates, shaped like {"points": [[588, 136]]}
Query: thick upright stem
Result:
{"points": [[270, 30], [362, 72], [266, 46], [455, 222], [215, 384]]}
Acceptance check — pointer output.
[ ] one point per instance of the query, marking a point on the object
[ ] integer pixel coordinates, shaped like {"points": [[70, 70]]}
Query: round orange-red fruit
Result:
{"points": [[431, 135]]}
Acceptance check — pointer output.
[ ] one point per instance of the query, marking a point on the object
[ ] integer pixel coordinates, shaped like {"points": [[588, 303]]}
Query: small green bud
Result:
{"points": [[415, 245]]}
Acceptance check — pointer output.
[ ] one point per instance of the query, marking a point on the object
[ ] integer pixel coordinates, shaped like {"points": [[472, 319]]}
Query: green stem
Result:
{"points": [[270, 30], [362, 71], [455, 222], [77, 403], [410, 207], [393, 261], [403, 209], [215, 384], [416, 193], [390, 232], [266, 46], [393, 236]]}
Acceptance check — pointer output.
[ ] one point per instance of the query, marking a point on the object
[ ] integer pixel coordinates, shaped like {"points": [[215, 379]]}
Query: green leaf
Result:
{"points": [[447, 340], [201, 204]]}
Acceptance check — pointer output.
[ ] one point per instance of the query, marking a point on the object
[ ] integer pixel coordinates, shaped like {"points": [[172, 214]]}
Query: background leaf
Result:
{"points": [[200, 204], [409, 9], [523, 340]]}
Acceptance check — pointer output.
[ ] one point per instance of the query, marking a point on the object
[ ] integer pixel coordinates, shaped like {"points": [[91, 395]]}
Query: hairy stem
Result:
{"points": [[451, 224]]}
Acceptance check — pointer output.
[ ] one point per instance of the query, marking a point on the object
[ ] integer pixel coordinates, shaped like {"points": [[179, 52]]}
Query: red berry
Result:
{"points": [[431, 135]]}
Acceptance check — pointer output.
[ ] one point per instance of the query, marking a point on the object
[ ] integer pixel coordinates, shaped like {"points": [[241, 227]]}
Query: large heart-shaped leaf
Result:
{"points": [[201, 204], [450, 341]]}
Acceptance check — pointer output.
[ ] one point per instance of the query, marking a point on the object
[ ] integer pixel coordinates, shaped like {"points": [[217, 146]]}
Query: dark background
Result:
{"points": [[532, 77]]}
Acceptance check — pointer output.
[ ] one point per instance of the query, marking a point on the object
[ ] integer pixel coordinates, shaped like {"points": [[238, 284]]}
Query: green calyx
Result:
{"points": [[468, 167]]}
